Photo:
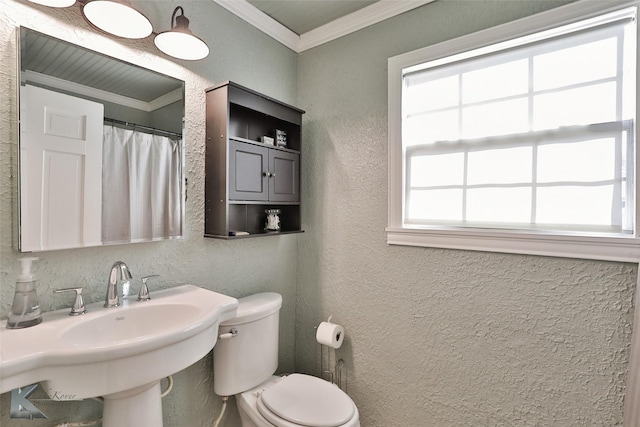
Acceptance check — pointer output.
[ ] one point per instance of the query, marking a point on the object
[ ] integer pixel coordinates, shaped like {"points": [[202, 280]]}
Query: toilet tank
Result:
{"points": [[247, 359]]}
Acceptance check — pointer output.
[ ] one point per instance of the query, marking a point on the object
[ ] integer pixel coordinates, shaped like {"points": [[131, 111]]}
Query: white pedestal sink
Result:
{"points": [[118, 353]]}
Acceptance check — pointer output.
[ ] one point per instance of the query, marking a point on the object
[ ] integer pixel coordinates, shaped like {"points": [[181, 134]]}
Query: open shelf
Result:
{"points": [[249, 141]]}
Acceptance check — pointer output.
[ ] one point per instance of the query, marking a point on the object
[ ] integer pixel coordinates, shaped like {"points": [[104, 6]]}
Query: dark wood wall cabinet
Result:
{"points": [[252, 163]]}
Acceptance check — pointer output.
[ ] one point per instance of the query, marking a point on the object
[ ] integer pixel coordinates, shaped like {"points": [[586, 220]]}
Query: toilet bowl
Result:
{"points": [[244, 361]]}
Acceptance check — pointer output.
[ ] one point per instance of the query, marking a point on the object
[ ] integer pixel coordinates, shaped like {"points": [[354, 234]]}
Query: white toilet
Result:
{"points": [[244, 361]]}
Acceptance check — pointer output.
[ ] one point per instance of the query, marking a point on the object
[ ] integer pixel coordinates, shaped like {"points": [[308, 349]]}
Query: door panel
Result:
{"points": [[285, 180], [248, 172], [60, 170]]}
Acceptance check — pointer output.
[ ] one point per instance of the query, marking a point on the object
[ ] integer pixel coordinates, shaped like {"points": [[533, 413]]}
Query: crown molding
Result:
{"points": [[166, 99], [65, 85], [263, 22], [365, 17]]}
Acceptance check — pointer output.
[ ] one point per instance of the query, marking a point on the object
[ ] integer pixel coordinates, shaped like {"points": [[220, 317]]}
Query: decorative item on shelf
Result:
{"points": [[267, 140], [281, 138], [273, 220]]}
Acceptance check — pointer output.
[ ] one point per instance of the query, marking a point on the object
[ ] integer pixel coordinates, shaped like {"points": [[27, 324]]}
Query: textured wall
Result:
{"points": [[239, 52], [440, 337], [434, 337]]}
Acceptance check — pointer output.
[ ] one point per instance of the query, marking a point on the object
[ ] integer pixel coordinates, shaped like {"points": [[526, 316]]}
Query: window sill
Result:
{"points": [[624, 249]]}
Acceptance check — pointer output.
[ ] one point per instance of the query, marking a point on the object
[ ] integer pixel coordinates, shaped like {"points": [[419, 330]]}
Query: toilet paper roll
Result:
{"points": [[330, 334]]}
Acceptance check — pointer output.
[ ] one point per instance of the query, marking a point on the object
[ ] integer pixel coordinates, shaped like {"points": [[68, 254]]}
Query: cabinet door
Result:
{"points": [[284, 170], [248, 165]]}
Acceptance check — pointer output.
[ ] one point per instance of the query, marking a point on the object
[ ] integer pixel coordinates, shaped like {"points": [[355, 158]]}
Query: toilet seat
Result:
{"points": [[302, 400]]}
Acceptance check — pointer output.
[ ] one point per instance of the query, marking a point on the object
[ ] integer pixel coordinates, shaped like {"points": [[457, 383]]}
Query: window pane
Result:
{"points": [[437, 170], [495, 118], [583, 161], [432, 127], [435, 205], [509, 205], [575, 205], [505, 166], [496, 82], [578, 64], [591, 104], [431, 95]]}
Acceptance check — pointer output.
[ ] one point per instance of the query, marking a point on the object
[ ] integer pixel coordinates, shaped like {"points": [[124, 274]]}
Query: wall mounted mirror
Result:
{"points": [[101, 149]]}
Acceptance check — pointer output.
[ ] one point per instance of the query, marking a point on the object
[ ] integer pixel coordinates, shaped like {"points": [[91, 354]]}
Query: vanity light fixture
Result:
{"points": [[180, 42], [117, 17], [55, 3]]}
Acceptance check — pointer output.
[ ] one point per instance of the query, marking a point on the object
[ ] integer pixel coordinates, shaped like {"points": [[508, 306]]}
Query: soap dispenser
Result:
{"points": [[25, 310]]}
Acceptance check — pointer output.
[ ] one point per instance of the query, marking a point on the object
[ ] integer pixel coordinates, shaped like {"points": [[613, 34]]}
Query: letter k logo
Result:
{"points": [[21, 407]]}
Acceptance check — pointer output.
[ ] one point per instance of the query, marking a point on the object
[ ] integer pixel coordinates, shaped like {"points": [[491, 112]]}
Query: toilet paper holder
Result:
{"points": [[339, 375]]}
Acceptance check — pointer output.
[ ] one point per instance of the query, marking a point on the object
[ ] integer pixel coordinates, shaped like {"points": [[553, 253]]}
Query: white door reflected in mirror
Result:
{"points": [[60, 170]]}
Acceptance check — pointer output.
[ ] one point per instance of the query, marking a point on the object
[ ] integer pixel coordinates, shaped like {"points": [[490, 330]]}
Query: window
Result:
{"points": [[521, 140]]}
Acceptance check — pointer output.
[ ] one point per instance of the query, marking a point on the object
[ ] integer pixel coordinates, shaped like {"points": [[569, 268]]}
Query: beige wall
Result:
{"points": [[239, 52], [440, 337]]}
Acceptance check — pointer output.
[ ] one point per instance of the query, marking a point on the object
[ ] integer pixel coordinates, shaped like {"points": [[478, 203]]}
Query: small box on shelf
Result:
{"points": [[281, 138]]}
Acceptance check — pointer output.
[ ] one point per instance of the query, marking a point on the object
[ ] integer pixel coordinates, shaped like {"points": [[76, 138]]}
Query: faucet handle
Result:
{"points": [[143, 295], [78, 305]]}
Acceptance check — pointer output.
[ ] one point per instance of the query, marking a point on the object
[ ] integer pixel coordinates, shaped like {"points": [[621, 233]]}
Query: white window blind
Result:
{"points": [[534, 134]]}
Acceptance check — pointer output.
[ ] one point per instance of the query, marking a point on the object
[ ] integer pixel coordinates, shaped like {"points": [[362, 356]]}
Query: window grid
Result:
{"points": [[534, 154], [534, 139], [620, 132]]}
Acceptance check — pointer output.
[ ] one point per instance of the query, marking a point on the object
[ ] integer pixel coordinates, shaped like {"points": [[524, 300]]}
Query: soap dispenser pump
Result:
{"points": [[25, 311]]}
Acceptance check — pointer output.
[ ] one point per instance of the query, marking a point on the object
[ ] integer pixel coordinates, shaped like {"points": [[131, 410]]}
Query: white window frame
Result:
{"points": [[623, 248]]}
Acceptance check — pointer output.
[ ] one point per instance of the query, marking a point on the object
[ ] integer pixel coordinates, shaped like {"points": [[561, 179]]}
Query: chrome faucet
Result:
{"points": [[118, 269]]}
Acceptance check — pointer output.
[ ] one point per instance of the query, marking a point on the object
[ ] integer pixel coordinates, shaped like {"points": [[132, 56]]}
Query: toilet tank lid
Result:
{"points": [[255, 307]]}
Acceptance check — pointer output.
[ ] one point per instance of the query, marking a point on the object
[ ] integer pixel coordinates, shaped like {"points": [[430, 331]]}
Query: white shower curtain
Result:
{"points": [[141, 181]]}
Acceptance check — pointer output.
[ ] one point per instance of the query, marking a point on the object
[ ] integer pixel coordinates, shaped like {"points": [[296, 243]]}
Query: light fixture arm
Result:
{"points": [[173, 17], [181, 21]]}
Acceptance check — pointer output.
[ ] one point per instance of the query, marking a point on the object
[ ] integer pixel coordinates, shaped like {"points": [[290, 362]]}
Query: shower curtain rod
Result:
{"points": [[144, 128]]}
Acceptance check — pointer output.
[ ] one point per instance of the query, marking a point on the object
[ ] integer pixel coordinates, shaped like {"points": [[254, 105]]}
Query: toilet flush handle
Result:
{"points": [[232, 333]]}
